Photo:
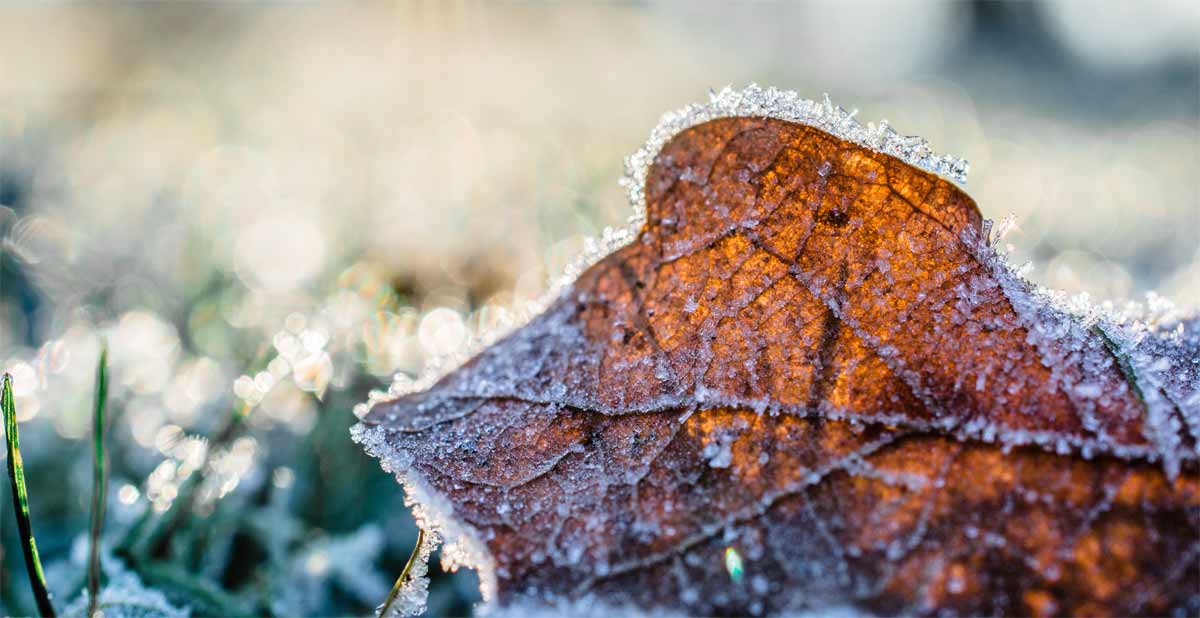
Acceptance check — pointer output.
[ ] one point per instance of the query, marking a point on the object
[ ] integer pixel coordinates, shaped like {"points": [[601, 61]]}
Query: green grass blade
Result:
{"points": [[412, 558], [99, 479], [16, 476]]}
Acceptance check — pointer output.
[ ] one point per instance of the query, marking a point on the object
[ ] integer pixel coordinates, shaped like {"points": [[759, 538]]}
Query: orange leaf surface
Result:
{"points": [[808, 382]]}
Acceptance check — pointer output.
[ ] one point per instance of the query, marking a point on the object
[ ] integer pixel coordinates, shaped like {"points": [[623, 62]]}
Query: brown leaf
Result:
{"points": [[809, 382]]}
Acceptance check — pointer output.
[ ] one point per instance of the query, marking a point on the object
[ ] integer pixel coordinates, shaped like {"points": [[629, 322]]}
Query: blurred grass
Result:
{"points": [[99, 480]]}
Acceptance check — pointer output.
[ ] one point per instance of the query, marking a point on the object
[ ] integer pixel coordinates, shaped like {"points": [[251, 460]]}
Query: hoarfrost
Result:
{"points": [[433, 514], [414, 592], [124, 596]]}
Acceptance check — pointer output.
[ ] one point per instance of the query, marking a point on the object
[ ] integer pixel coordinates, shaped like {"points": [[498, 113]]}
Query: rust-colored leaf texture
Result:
{"points": [[809, 384]]}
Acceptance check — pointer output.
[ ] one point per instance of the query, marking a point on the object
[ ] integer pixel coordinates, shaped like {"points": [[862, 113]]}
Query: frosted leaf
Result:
{"points": [[811, 355]]}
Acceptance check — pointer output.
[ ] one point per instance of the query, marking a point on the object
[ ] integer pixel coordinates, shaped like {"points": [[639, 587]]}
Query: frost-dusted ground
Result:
{"points": [[811, 355]]}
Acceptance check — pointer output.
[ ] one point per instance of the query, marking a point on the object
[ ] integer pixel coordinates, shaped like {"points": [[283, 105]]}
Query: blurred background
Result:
{"points": [[280, 206]]}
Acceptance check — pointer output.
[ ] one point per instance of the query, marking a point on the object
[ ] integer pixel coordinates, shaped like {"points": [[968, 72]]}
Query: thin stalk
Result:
{"points": [[99, 479], [412, 559], [16, 476]]}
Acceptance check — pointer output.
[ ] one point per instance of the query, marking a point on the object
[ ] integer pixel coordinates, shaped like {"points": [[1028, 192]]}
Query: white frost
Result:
{"points": [[124, 596], [414, 592], [435, 515]]}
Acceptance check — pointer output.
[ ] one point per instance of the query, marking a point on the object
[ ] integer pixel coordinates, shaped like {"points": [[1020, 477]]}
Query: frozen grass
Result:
{"points": [[408, 567]]}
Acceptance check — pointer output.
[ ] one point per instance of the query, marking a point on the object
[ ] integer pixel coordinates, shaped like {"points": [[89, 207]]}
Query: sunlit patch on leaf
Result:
{"points": [[808, 381]]}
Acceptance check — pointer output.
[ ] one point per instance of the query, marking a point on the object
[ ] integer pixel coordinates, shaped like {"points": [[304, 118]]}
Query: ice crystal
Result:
{"points": [[460, 543], [414, 592]]}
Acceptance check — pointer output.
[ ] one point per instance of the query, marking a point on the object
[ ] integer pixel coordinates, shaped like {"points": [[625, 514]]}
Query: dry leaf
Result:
{"points": [[810, 383]]}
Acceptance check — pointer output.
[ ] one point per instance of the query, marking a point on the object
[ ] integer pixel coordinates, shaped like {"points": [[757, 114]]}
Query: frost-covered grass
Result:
{"points": [[249, 554]]}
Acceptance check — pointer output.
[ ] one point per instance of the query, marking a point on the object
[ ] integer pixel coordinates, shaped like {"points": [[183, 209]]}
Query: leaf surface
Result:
{"points": [[809, 382]]}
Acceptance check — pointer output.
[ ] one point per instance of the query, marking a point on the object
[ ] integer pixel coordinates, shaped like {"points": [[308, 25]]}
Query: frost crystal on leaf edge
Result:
{"points": [[461, 547], [758, 102]]}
